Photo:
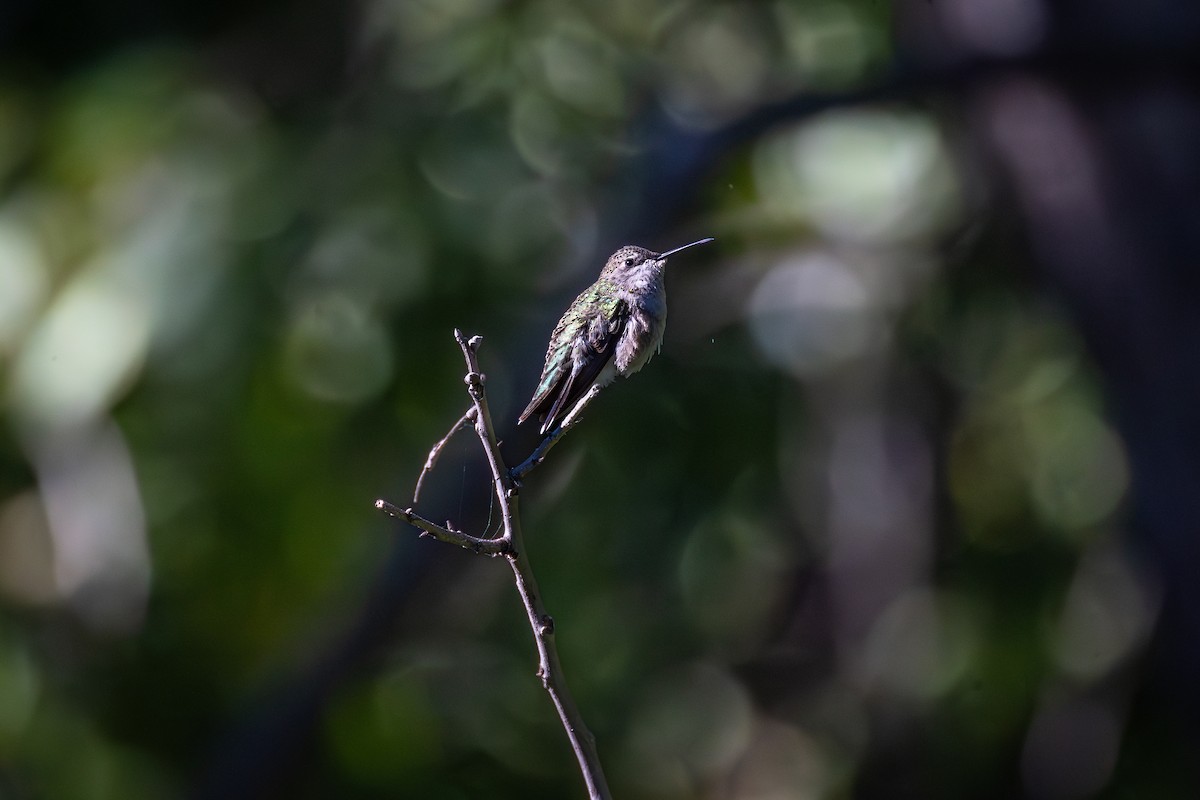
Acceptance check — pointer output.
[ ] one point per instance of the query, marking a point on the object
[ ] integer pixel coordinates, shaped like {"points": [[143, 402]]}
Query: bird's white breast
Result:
{"points": [[647, 301]]}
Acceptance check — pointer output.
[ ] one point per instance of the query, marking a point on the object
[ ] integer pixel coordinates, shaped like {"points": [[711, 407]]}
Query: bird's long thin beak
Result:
{"points": [[685, 247]]}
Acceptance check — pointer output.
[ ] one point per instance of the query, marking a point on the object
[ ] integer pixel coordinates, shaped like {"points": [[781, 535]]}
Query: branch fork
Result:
{"points": [[509, 544]]}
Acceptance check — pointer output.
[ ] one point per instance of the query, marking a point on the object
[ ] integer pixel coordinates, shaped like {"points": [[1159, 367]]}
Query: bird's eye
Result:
{"points": [[629, 262]]}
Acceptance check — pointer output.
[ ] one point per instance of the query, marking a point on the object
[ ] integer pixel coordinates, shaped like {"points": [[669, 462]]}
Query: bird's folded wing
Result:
{"points": [[597, 339]]}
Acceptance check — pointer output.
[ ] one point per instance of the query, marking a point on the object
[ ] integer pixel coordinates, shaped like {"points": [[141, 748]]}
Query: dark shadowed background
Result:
{"points": [[907, 507]]}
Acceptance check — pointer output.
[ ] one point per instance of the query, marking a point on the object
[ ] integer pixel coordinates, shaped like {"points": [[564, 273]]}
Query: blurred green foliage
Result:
{"points": [[863, 511]]}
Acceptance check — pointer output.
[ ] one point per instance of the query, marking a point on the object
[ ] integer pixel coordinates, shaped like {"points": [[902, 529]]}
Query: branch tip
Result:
{"points": [[389, 508]]}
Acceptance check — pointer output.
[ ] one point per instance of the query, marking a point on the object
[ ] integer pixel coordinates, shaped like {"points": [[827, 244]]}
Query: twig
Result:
{"points": [[487, 547], [539, 454], [511, 545], [435, 451]]}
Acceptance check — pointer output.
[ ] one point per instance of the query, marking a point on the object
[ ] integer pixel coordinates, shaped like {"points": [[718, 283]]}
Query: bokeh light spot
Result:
{"points": [[691, 726], [732, 572], [337, 352], [23, 284], [919, 646], [83, 354], [812, 313], [1079, 472], [1108, 612], [863, 176]]}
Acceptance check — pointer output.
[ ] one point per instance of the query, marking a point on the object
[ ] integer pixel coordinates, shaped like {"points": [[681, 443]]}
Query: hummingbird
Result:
{"points": [[613, 328]]}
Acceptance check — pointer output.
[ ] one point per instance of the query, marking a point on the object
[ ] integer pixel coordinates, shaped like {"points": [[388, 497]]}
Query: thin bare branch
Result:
{"points": [[539, 454], [506, 491], [435, 451], [540, 622], [511, 545], [487, 547]]}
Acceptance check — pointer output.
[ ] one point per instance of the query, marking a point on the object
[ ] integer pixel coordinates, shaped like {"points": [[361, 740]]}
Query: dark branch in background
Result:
{"points": [[511, 545], [663, 185]]}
